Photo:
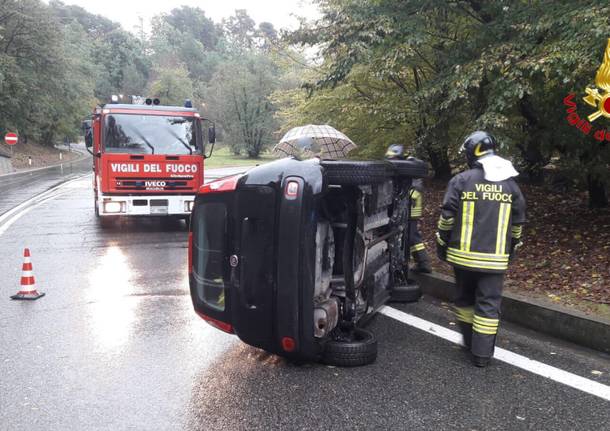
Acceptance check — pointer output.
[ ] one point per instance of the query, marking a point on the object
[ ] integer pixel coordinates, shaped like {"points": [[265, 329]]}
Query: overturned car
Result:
{"points": [[294, 256]]}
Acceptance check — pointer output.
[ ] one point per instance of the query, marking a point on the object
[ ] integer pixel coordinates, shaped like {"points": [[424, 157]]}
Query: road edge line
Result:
{"points": [[536, 367]]}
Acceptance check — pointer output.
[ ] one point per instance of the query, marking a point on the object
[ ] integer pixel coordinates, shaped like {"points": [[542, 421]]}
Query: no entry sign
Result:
{"points": [[10, 138]]}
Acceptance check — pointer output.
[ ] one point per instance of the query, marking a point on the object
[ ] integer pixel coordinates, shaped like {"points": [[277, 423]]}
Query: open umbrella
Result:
{"points": [[322, 141]]}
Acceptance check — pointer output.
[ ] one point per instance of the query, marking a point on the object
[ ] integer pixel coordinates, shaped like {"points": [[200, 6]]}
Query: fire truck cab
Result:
{"points": [[147, 158]]}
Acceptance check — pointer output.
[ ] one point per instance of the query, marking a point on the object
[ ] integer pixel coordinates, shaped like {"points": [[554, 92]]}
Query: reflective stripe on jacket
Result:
{"points": [[417, 204]]}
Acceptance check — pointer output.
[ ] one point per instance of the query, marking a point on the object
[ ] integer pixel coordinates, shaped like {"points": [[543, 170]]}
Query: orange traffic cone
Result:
{"points": [[28, 285]]}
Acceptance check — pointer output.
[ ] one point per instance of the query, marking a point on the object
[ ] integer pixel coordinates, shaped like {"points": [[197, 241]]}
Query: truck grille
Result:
{"points": [[131, 183]]}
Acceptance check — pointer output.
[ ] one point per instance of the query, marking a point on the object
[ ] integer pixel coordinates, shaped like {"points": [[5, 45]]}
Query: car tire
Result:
{"points": [[410, 292], [413, 168], [360, 350], [353, 173]]}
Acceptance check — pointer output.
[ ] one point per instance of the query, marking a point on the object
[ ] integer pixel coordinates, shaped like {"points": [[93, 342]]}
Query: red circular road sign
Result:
{"points": [[10, 138]]}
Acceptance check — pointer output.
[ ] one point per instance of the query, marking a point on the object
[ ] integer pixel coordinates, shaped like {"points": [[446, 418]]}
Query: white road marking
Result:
{"points": [[14, 214], [533, 366]]}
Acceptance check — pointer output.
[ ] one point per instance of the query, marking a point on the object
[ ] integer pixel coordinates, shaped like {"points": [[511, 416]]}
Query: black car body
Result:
{"points": [[293, 255]]}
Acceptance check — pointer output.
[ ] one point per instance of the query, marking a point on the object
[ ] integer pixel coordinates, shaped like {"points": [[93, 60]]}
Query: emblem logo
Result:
{"points": [[598, 96], [595, 98]]}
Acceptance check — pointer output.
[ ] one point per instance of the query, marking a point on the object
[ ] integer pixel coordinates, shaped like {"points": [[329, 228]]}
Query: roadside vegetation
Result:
{"points": [[565, 258], [58, 61], [40, 156], [223, 157]]}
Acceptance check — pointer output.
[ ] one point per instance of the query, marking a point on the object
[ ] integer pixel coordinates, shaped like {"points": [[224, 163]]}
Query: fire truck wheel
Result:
{"points": [[360, 348], [410, 292], [106, 222], [350, 173], [410, 168]]}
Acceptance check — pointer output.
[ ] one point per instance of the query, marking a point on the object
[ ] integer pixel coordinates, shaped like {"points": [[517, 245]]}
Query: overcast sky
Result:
{"points": [[127, 12]]}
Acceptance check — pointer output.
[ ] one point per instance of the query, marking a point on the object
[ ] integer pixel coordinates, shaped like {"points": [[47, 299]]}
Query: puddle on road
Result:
{"points": [[112, 317]]}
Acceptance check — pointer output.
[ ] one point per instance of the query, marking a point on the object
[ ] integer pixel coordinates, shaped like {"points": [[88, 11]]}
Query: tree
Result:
{"points": [[44, 81], [239, 93], [500, 65], [171, 84]]}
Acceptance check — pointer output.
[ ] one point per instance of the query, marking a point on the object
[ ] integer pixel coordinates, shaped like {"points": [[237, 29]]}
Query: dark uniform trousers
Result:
{"points": [[416, 242], [477, 309]]}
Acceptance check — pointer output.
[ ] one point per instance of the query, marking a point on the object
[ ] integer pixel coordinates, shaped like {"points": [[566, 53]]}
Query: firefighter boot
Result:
{"points": [[422, 262], [480, 361]]}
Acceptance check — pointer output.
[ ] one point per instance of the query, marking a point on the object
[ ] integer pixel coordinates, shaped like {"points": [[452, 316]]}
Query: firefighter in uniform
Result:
{"points": [[480, 227], [416, 243]]}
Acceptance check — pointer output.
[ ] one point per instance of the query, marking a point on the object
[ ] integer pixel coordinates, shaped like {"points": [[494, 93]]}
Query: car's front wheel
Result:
{"points": [[351, 349]]}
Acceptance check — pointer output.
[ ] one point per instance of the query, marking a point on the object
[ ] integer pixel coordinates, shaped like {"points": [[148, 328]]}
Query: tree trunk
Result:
{"points": [[598, 196], [440, 162], [530, 150]]}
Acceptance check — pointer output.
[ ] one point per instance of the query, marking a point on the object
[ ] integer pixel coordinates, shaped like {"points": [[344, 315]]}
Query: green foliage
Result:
{"points": [[450, 67], [239, 94], [58, 61], [230, 69], [171, 85]]}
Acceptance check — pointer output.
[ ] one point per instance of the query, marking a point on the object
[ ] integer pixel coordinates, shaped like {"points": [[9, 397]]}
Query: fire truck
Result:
{"points": [[147, 158]]}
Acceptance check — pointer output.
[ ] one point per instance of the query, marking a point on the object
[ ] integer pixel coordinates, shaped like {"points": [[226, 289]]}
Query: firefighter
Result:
{"points": [[416, 243], [480, 227]]}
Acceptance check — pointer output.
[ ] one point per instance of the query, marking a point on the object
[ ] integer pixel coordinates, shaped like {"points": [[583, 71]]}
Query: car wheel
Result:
{"points": [[359, 348], [413, 168], [409, 292], [350, 173]]}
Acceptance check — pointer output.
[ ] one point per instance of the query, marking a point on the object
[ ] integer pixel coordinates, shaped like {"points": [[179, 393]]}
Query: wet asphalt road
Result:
{"points": [[19, 187], [115, 345]]}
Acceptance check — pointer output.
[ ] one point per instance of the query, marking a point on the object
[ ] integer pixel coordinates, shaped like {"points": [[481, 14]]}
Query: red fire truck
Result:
{"points": [[147, 158]]}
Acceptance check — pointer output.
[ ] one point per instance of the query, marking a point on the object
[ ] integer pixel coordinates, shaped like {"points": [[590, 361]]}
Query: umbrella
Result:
{"points": [[314, 140]]}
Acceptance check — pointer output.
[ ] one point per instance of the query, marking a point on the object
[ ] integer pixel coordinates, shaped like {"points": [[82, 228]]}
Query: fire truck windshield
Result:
{"points": [[151, 134]]}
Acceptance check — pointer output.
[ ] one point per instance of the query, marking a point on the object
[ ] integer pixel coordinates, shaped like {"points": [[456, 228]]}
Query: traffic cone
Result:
{"points": [[28, 285]]}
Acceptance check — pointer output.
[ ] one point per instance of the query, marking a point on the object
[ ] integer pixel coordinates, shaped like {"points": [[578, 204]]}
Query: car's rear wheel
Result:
{"points": [[408, 292], [354, 173], [353, 349]]}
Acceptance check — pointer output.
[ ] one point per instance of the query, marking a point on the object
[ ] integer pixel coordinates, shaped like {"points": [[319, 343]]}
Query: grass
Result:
{"points": [[222, 157]]}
